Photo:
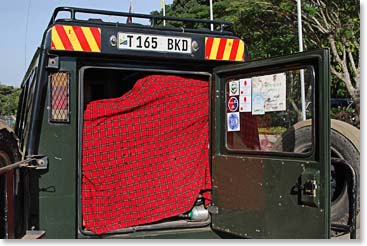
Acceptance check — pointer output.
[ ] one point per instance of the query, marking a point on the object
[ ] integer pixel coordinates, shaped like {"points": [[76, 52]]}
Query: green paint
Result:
{"points": [[57, 195], [255, 191]]}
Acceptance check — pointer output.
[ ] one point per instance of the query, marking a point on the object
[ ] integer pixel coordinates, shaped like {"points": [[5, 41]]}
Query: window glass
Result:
{"points": [[261, 111], [31, 84]]}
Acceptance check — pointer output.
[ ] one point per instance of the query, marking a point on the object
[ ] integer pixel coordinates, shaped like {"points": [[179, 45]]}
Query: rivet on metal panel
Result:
{"points": [[53, 62], [195, 45], [113, 40], [42, 163]]}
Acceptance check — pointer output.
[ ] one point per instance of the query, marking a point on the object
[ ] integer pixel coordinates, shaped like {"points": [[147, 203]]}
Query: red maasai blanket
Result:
{"points": [[145, 155]]}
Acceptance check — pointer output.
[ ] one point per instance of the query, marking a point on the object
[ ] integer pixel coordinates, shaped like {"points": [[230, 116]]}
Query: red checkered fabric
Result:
{"points": [[145, 154]]}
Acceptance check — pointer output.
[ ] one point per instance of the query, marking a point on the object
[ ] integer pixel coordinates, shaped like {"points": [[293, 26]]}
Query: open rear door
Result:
{"points": [[270, 168]]}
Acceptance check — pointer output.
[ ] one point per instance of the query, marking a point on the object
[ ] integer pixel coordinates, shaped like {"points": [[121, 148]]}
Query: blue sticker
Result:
{"points": [[233, 122]]}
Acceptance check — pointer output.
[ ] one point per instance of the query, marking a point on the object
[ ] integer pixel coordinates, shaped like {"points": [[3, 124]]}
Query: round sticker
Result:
{"points": [[232, 104]]}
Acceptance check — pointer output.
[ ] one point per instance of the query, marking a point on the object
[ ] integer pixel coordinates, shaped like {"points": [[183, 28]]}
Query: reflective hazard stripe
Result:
{"points": [[224, 49], [76, 38]]}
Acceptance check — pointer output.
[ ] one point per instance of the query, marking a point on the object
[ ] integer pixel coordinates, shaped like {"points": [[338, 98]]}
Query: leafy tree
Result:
{"points": [[269, 28], [336, 24], [9, 97]]}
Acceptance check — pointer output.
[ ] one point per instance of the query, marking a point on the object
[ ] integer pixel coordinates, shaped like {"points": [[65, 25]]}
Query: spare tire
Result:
{"points": [[344, 144], [9, 153]]}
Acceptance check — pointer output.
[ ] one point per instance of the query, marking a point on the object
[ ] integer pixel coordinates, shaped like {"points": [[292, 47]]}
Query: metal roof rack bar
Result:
{"points": [[73, 11]]}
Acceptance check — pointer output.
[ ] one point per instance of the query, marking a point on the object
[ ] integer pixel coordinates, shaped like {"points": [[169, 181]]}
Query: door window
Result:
{"points": [[262, 109]]}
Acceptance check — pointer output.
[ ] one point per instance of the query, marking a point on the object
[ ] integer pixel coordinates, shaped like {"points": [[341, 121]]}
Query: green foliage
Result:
{"points": [[269, 27], [9, 97], [198, 9], [346, 114]]}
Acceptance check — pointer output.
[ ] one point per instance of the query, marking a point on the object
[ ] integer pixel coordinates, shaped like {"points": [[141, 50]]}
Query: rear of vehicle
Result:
{"points": [[125, 125], [153, 131]]}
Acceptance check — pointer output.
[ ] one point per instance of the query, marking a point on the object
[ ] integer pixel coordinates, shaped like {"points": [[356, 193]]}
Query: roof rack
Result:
{"points": [[153, 19]]}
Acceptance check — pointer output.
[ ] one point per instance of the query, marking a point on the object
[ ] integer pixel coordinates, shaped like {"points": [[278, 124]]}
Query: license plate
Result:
{"points": [[135, 41]]}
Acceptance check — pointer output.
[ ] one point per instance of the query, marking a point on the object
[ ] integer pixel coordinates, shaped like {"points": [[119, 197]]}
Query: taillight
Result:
{"points": [[59, 94]]}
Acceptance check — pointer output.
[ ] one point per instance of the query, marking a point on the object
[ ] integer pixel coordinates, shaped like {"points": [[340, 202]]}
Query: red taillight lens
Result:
{"points": [[59, 94]]}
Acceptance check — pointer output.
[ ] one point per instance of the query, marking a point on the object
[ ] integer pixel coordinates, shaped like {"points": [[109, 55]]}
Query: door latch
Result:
{"points": [[309, 187]]}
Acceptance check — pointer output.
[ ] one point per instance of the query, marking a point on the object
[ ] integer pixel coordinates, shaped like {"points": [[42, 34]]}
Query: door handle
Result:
{"points": [[308, 188]]}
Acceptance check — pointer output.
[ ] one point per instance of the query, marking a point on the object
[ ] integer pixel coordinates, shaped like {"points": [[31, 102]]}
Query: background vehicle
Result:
{"points": [[83, 64]]}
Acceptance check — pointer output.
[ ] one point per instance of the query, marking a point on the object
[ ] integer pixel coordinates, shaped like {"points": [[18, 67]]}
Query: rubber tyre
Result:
{"points": [[345, 144], [9, 153]]}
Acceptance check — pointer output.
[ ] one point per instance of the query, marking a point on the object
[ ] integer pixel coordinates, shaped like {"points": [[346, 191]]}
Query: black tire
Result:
{"points": [[345, 144], [9, 153]]}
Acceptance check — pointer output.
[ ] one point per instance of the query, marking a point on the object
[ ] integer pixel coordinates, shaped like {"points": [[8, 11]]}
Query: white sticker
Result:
{"points": [[275, 92], [245, 103], [258, 101], [234, 88], [233, 122], [258, 104], [245, 87], [245, 95]]}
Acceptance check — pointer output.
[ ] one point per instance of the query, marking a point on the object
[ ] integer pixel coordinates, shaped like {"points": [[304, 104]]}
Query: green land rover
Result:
{"points": [[151, 131]]}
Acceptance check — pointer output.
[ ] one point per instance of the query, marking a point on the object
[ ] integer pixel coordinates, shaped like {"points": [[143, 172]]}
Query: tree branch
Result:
{"points": [[334, 50], [299, 112], [336, 73], [353, 65]]}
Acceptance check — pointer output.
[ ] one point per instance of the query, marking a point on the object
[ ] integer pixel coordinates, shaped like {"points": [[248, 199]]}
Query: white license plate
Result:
{"points": [[136, 41]]}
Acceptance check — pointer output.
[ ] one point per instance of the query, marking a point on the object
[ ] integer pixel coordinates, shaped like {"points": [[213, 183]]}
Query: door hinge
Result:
{"points": [[33, 161], [38, 162], [213, 209]]}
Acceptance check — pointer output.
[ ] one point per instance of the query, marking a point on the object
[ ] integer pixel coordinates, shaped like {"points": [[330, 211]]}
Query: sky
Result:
{"points": [[22, 30]]}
